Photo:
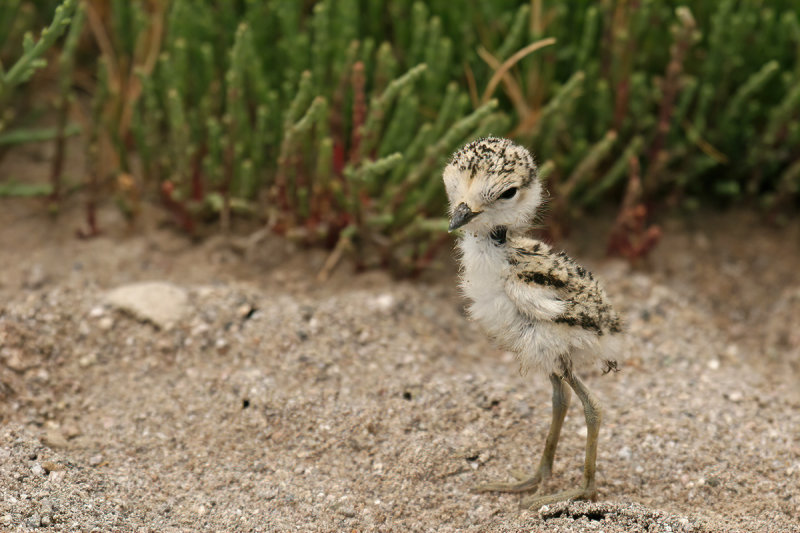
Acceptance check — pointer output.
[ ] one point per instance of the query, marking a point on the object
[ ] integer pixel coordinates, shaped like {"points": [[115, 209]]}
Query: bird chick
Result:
{"points": [[537, 303]]}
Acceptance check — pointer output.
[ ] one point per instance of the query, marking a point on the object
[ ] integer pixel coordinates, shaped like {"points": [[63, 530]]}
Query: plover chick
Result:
{"points": [[537, 303]]}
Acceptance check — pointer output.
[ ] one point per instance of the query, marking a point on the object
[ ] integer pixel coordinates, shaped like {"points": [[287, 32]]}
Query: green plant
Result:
{"points": [[29, 61], [329, 138], [330, 121], [704, 95]]}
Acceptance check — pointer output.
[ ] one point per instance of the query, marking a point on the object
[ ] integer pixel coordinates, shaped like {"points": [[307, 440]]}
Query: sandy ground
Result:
{"points": [[275, 403]]}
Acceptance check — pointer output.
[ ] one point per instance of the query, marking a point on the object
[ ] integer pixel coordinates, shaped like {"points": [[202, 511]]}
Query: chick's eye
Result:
{"points": [[509, 193]]}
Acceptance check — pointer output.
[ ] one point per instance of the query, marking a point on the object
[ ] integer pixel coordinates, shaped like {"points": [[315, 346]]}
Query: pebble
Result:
{"points": [[245, 311], [735, 396], [522, 408], [96, 459], [54, 439], [33, 521], [46, 507], [70, 430], [165, 345], [37, 277], [383, 302], [158, 302], [347, 511], [52, 466], [87, 360], [15, 359], [37, 470], [625, 453]]}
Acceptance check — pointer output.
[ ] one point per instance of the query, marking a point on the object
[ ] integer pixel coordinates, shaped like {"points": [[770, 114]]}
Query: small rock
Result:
{"points": [[54, 439], [6, 519], [16, 359], [52, 466], [384, 302], [71, 430], [87, 360], [625, 453], [37, 470], [165, 345], [40, 375], [33, 521], [246, 311], [732, 351], [199, 329], [36, 277], [96, 459], [735, 396], [347, 511], [46, 508], [160, 303], [522, 408], [46, 521], [105, 323]]}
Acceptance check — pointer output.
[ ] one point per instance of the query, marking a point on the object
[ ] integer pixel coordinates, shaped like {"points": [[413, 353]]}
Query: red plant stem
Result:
{"points": [[630, 238], [198, 191], [669, 89], [182, 215], [621, 104], [58, 158]]}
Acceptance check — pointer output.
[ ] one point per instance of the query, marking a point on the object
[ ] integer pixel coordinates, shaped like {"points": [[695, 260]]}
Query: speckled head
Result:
{"points": [[492, 182]]}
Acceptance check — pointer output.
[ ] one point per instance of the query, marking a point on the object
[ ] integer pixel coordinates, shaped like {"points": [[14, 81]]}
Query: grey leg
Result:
{"points": [[529, 482], [594, 415]]}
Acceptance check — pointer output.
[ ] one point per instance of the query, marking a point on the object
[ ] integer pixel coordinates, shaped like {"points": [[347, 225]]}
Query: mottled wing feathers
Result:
{"points": [[550, 286]]}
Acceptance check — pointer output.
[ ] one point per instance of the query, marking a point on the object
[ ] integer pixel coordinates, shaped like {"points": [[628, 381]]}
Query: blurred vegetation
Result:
{"points": [[330, 121], [27, 51]]}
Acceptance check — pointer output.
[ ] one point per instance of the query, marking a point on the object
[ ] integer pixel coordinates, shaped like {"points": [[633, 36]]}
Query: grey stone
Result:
{"points": [[33, 521], [160, 303]]}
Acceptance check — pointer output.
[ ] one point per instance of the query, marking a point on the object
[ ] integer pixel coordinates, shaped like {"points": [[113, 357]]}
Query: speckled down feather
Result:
{"points": [[531, 300]]}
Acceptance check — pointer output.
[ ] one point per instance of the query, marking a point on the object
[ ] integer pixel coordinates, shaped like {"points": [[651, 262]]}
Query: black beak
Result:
{"points": [[461, 216]]}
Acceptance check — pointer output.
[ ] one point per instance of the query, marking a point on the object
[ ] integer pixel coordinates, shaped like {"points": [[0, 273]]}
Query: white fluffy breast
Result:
{"points": [[525, 326], [483, 282]]}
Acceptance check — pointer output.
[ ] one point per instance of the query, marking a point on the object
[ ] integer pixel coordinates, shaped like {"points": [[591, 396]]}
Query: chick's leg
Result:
{"points": [[594, 415], [528, 482]]}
